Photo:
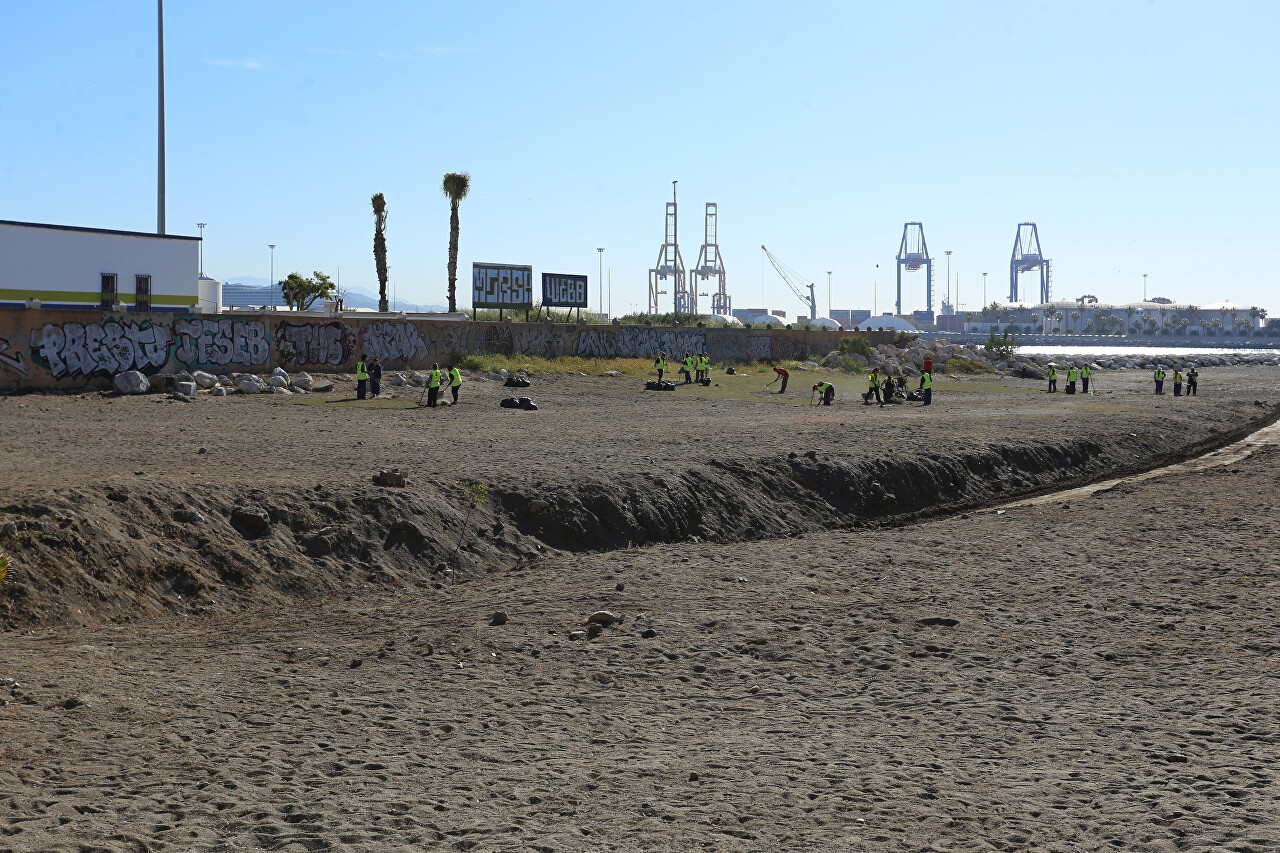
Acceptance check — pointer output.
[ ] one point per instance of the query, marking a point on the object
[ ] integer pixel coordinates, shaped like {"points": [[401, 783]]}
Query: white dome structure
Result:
{"points": [[767, 320], [824, 323], [887, 321]]}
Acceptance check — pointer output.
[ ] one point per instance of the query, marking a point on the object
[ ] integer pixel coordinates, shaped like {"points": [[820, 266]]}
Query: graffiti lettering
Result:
{"points": [[390, 341], [16, 360], [221, 342], [636, 342], [307, 343], [759, 347], [74, 349]]}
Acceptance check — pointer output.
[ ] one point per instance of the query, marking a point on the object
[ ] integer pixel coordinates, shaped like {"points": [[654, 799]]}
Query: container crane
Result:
{"points": [[790, 276]]}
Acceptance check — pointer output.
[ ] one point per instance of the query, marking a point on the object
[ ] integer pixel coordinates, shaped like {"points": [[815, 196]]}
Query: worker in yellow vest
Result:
{"points": [[1071, 379], [926, 386], [433, 385], [873, 386], [1159, 377], [704, 366], [687, 368], [886, 390], [661, 364], [1085, 372], [1177, 382], [455, 382], [826, 392], [362, 379], [1053, 379]]}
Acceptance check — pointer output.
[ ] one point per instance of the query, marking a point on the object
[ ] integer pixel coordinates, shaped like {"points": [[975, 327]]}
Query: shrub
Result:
{"points": [[904, 339], [856, 345], [964, 365], [1001, 347], [848, 365]]}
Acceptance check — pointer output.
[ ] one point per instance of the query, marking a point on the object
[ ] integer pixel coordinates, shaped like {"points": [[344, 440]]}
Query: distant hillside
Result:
{"points": [[251, 290]]}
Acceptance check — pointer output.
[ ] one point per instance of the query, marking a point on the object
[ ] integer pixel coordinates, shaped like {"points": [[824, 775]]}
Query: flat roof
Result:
{"points": [[96, 230]]}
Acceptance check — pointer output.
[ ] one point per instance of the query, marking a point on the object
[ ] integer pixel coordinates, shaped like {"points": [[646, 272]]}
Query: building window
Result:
{"points": [[142, 291], [108, 290]]}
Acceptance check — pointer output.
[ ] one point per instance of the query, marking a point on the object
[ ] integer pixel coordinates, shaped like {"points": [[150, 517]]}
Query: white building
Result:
{"points": [[1219, 319], [63, 266]]}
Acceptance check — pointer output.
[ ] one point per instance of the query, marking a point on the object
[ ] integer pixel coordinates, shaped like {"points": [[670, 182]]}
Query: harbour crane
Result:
{"points": [[790, 276]]}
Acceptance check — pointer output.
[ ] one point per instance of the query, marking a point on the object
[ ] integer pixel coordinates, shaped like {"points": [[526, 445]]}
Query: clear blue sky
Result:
{"points": [[1141, 136]]}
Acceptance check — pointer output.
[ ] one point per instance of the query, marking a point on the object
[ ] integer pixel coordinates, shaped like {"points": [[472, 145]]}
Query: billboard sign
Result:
{"points": [[501, 286], [564, 290]]}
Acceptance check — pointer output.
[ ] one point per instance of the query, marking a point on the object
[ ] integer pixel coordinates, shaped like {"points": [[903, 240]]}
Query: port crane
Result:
{"points": [[791, 277]]}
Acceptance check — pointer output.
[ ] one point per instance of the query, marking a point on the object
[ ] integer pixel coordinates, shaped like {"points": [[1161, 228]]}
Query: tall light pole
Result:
{"points": [[829, 295], [952, 304], [201, 225], [875, 295], [272, 247], [601, 279], [1144, 287], [160, 146], [984, 290]]}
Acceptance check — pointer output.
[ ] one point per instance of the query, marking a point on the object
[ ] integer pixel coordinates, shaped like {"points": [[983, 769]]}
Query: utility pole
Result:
{"points": [[829, 295], [601, 279], [160, 140], [1144, 287], [984, 290], [272, 247], [201, 225], [875, 295]]}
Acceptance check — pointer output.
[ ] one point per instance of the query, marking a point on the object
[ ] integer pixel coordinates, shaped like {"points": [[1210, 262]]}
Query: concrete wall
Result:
{"points": [[64, 266], [68, 349]]}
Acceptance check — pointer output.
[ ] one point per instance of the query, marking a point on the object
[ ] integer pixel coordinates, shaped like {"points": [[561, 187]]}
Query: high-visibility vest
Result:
{"points": [[433, 380], [704, 363], [1053, 374], [661, 363], [1084, 372], [1177, 377], [455, 377], [1159, 374], [928, 380], [888, 382], [823, 386], [871, 381], [361, 373], [688, 363], [1071, 375]]}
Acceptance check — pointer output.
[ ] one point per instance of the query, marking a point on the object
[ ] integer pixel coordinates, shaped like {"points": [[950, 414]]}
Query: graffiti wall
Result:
{"points": [[42, 348]]}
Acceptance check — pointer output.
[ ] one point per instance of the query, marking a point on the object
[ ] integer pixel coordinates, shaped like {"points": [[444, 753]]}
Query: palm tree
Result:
{"points": [[380, 247], [1128, 319], [1258, 315], [1164, 312], [1075, 321], [455, 186], [1193, 314]]}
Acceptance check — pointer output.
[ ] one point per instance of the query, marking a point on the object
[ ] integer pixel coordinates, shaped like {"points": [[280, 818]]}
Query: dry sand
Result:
{"points": [[1086, 675]]}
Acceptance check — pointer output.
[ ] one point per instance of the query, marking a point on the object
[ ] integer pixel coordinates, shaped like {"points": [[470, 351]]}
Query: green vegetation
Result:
{"points": [[856, 345], [476, 495], [668, 319], [300, 293], [564, 364], [5, 564], [1001, 347], [964, 365], [553, 315], [904, 339]]}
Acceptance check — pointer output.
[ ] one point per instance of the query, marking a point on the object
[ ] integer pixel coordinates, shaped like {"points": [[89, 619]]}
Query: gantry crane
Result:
{"points": [[790, 276]]}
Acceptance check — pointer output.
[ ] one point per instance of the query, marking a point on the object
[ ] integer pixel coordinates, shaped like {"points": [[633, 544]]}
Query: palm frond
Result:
{"points": [[456, 185]]}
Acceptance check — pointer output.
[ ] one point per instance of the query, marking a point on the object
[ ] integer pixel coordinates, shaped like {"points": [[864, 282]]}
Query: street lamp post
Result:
{"points": [[829, 295], [601, 279], [160, 119], [949, 302], [201, 225], [875, 295], [984, 290], [1144, 287], [272, 247]]}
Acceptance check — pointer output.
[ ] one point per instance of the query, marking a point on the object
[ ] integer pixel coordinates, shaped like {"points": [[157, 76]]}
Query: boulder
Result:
{"points": [[282, 373], [131, 382], [321, 386], [498, 377], [303, 381], [603, 617], [277, 381], [253, 519], [396, 379], [419, 379], [204, 380], [390, 477], [248, 384], [186, 389], [219, 391]]}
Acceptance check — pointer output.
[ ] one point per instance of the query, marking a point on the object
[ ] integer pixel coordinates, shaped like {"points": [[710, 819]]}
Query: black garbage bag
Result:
{"points": [[659, 385], [518, 403], [516, 382]]}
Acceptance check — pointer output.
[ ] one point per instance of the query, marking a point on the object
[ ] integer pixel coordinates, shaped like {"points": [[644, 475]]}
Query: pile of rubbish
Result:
{"points": [[519, 403]]}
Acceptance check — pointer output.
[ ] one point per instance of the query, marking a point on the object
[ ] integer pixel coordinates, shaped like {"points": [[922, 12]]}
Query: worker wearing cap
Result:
{"points": [[926, 384], [661, 364], [1085, 372], [455, 382], [1053, 379], [1159, 378], [362, 379], [826, 392], [873, 386], [1193, 379], [1177, 382], [433, 385]]}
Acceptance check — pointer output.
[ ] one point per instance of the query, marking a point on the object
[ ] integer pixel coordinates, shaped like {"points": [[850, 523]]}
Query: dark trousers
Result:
{"points": [[783, 389], [1071, 387], [928, 396], [432, 394], [659, 374], [362, 388], [871, 392], [375, 386], [454, 389], [827, 396], [1159, 386], [1085, 384], [1177, 389], [688, 379], [1191, 389], [1053, 386]]}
